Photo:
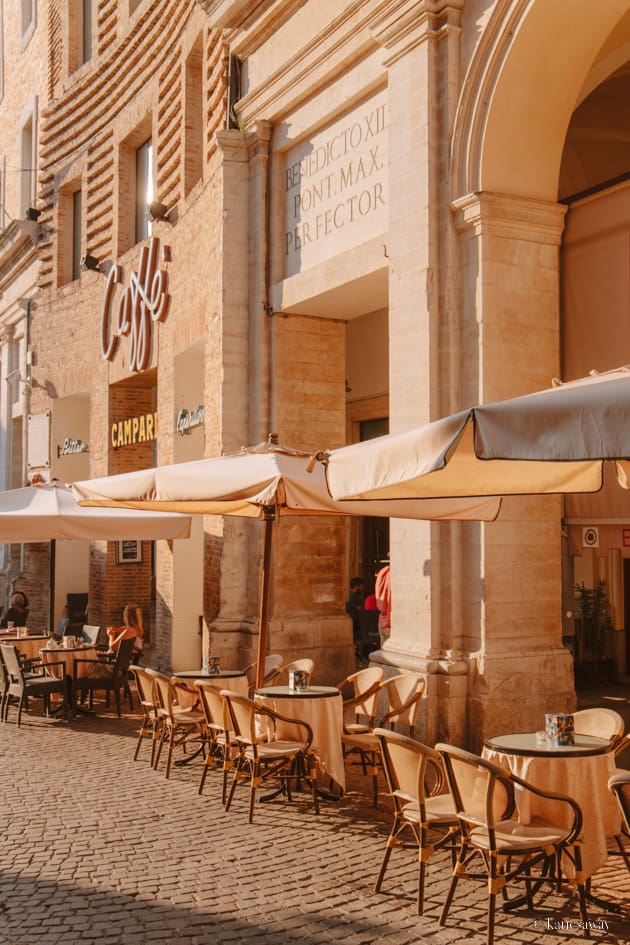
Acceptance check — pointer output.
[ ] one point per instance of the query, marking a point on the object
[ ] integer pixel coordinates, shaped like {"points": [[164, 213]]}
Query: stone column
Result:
{"points": [[421, 42], [246, 411], [509, 283]]}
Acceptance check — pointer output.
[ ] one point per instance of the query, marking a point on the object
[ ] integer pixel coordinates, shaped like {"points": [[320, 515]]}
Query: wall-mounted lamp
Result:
{"points": [[33, 214], [158, 211], [89, 263]]}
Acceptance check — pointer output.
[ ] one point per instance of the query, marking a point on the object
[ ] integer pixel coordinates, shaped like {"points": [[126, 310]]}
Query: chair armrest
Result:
{"points": [[549, 795], [78, 660], [277, 717], [393, 713], [621, 744], [45, 665], [438, 780]]}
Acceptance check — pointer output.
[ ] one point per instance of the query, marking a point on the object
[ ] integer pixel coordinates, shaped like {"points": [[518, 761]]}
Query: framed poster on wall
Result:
{"points": [[129, 551]]}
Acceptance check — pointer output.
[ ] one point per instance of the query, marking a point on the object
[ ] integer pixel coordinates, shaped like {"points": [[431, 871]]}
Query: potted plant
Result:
{"points": [[593, 624]]}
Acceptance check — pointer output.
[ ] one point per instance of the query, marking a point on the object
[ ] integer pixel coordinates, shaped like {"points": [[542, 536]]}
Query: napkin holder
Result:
{"points": [[298, 679], [559, 729]]}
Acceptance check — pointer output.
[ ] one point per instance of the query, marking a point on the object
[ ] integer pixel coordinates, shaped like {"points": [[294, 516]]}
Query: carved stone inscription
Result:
{"points": [[335, 187]]}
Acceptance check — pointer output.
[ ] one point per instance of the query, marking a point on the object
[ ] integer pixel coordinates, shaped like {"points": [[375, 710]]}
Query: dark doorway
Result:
{"points": [[626, 610], [374, 544]]}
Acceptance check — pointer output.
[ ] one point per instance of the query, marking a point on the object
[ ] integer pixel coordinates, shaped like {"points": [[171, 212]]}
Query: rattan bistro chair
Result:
{"points": [[402, 695], [431, 820], [262, 755], [150, 727], [305, 665], [273, 662], [177, 724], [599, 721], [21, 685], [218, 731], [90, 676], [619, 784], [359, 711], [492, 836]]}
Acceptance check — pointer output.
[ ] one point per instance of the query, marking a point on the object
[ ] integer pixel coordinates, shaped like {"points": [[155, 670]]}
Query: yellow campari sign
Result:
{"points": [[134, 430]]}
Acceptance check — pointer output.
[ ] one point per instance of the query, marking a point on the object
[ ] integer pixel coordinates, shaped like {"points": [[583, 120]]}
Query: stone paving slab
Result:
{"points": [[100, 849]]}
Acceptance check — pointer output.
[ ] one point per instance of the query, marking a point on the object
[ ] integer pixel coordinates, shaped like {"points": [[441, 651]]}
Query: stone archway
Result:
{"points": [[535, 63]]}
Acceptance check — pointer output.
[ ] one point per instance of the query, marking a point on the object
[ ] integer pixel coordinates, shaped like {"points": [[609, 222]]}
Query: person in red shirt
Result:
{"points": [[383, 593]]}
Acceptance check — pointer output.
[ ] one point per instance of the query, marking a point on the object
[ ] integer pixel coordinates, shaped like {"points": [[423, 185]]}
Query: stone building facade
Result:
{"points": [[23, 95], [368, 214]]}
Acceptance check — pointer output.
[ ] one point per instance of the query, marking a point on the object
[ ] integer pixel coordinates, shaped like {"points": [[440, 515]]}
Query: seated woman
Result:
{"points": [[132, 628], [17, 614]]}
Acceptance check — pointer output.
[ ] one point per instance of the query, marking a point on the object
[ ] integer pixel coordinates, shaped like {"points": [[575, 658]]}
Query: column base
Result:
{"points": [[468, 699]]}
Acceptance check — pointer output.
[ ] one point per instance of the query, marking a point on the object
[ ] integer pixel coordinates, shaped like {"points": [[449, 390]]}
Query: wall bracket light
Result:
{"points": [[159, 211], [89, 263]]}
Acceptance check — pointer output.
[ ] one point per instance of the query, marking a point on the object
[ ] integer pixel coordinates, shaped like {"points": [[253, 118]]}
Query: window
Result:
{"points": [[5, 219], [134, 186], [1, 52], [70, 232], [86, 32], [79, 39], [77, 204], [27, 19], [193, 118], [144, 188], [28, 165]]}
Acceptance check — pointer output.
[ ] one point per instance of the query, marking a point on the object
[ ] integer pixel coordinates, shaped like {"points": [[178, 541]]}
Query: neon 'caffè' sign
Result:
{"points": [[144, 302]]}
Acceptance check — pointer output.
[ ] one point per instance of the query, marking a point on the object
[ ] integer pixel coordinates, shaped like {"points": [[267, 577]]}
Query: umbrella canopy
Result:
{"points": [[49, 512], [553, 441], [264, 481]]}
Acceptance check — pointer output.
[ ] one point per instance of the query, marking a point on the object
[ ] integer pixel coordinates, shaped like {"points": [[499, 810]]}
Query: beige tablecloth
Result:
{"points": [[324, 715], [68, 655], [585, 779]]}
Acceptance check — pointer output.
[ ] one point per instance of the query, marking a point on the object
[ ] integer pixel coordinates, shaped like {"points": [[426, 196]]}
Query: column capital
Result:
{"points": [[405, 24], [509, 216]]}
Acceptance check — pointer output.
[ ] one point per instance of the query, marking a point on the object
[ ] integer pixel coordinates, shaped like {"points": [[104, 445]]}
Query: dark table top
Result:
{"points": [[311, 692], [200, 674], [530, 743]]}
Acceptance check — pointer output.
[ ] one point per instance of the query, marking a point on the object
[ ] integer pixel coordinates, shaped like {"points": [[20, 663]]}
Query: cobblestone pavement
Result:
{"points": [[100, 849]]}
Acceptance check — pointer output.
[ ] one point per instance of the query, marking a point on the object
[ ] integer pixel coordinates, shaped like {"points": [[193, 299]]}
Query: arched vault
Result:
{"points": [[535, 63]]}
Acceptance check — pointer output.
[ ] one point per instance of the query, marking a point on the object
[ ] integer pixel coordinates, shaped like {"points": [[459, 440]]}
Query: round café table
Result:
{"points": [[580, 771], [321, 708], [28, 647], [67, 655], [234, 679]]}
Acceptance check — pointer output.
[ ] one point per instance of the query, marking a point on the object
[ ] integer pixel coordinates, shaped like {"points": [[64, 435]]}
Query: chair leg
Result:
{"points": [[20, 706], [255, 774], [459, 867], [622, 849], [374, 773], [169, 757], [143, 734], [117, 699], [159, 747]]}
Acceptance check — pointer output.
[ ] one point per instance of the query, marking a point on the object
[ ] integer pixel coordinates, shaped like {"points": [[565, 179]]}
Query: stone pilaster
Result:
{"points": [[421, 46], [509, 272]]}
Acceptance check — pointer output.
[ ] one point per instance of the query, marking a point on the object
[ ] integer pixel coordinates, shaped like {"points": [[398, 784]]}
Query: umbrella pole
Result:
{"points": [[263, 618], [51, 592]]}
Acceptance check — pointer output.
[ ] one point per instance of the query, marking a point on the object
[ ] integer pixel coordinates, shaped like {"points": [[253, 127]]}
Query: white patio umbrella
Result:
{"points": [[261, 482], [552, 441], [49, 512]]}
